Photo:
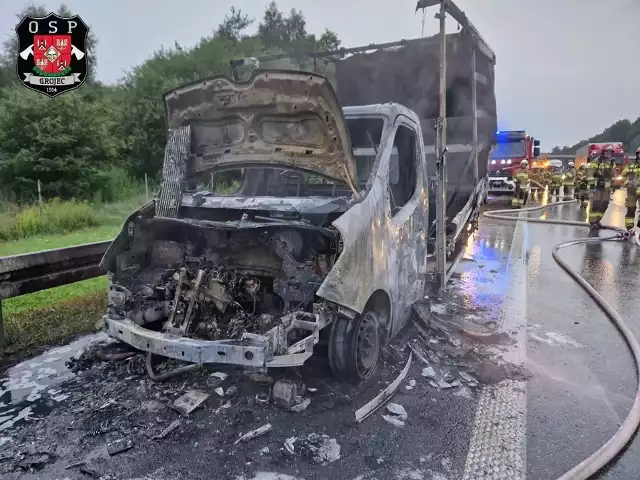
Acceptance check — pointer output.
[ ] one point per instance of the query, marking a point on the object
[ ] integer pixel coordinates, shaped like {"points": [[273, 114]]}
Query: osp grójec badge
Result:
{"points": [[52, 55]]}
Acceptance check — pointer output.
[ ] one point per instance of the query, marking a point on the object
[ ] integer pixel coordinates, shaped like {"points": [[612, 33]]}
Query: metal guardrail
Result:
{"points": [[33, 272]]}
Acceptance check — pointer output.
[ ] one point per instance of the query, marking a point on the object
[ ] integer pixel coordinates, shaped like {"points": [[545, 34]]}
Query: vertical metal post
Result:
{"points": [[40, 201], [474, 112], [2, 339], [441, 144]]}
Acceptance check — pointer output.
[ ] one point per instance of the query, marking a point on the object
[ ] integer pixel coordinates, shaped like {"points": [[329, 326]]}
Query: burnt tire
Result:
{"points": [[355, 347]]}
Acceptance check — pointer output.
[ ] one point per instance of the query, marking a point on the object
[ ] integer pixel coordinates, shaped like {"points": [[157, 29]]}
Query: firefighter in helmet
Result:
{"points": [[599, 173], [569, 181], [582, 192], [556, 181], [631, 181], [521, 177]]}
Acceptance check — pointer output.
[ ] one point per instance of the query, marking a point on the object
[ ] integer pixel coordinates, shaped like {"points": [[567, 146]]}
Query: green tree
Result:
{"points": [[233, 25], [65, 142]]}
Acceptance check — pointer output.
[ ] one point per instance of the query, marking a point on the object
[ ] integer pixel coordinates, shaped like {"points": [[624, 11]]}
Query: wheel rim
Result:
{"points": [[367, 345]]}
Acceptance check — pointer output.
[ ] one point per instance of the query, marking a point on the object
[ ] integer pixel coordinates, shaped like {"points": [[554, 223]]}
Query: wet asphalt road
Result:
{"points": [[581, 387]]}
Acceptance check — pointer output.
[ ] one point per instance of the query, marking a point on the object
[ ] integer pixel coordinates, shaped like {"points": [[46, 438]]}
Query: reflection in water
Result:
{"points": [[534, 258], [27, 389], [599, 271], [483, 281]]}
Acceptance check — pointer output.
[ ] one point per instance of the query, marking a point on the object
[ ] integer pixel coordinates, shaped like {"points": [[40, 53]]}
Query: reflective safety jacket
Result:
{"points": [[581, 175], [570, 177], [599, 173], [556, 178], [631, 173], [521, 177]]}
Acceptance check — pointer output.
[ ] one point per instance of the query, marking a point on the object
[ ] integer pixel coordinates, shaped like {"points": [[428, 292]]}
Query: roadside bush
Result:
{"points": [[54, 216], [117, 185]]}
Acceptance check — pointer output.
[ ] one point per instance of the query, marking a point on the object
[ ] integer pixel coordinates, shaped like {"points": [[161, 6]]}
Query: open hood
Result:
{"points": [[277, 118]]}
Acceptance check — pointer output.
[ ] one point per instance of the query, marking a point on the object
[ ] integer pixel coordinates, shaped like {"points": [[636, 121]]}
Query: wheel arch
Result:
{"points": [[380, 303]]}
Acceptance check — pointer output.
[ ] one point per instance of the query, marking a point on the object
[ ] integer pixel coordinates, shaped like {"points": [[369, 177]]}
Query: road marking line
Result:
{"points": [[498, 443]]}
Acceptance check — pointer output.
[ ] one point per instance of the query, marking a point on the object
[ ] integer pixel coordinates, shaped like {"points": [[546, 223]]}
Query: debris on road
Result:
{"points": [[393, 420], [262, 399], [259, 377], [411, 384], [216, 378], [429, 372], [365, 411], [318, 448], [302, 406], [188, 402], [397, 410], [253, 434], [172, 426], [118, 446], [284, 393], [398, 415]]}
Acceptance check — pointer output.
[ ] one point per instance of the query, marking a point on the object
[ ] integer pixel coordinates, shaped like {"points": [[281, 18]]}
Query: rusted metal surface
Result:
{"points": [[291, 119], [32, 272]]}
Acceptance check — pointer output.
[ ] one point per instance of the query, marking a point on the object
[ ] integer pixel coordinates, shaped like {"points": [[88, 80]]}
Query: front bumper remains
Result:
{"points": [[252, 350]]}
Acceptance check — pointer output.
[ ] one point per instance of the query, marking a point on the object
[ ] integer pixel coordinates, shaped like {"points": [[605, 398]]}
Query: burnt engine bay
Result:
{"points": [[192, 279]]}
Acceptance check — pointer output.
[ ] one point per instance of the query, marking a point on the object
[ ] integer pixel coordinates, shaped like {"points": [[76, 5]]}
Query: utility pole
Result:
{"points": [[441, 144]]}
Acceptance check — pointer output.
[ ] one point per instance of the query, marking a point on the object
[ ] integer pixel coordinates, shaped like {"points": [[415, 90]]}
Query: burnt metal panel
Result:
{"points": [[176, 155]]}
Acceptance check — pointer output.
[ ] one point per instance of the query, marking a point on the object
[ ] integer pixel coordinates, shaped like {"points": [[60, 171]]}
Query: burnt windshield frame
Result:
{"points": [[378, 129]]}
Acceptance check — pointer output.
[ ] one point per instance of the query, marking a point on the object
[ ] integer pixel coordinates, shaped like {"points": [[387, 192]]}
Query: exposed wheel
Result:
{"points": [[355, 346]]}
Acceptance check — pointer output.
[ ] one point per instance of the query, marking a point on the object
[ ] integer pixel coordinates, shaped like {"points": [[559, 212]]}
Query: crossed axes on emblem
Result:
{"points": [[79, 54]]}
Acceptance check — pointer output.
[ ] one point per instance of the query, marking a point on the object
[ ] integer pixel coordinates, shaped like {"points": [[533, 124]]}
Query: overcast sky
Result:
{"points": [[566, 69]]}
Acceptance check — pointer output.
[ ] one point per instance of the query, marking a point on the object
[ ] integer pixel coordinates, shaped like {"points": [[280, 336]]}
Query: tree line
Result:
{"points": [[87, 141], [623, 131]]}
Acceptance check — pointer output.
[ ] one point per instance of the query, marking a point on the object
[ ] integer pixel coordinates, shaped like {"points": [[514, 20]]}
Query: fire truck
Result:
{"points": [[510, 148], [621, 159]]}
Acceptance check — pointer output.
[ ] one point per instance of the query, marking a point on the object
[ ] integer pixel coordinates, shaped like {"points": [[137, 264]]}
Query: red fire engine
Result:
{"points": [[510, 149]]}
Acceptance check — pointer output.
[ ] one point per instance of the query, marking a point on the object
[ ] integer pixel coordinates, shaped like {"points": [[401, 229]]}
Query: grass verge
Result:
{"points": [[34, 328]]}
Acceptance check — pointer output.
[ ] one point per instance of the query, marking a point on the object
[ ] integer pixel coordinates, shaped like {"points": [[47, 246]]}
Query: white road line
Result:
{"points": [[498, 442]]}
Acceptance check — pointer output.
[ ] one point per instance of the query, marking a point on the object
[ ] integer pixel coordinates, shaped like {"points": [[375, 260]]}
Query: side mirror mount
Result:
{"points": [[536, 152], [536, 143]]}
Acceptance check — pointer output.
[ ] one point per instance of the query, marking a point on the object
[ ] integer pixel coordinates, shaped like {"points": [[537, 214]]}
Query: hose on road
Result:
{"points": [[607, 452]]}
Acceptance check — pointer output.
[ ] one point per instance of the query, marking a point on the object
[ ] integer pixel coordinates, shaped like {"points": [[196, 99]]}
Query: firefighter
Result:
{"points": [[631, 181], [569, 181], [582, 192], [521, 177], [599, 173], [556, 181]]}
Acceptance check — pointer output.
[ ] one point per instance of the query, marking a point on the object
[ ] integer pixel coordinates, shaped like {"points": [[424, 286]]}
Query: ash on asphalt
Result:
{"points": [[115, 403], [114, 406]]}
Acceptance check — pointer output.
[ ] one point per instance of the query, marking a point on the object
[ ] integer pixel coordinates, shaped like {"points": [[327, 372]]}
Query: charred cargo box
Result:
{"points": [[407, 72]]}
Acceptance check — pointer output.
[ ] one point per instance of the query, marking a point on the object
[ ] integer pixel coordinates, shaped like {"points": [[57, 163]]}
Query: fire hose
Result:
{"points": [[607, 452]]}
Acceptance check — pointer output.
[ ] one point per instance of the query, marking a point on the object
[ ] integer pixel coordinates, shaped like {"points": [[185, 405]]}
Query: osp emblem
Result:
{"points": [[52, 55]]}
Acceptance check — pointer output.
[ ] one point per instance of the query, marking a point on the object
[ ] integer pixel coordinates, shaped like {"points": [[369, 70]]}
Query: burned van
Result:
{"points": [[283, 220]]}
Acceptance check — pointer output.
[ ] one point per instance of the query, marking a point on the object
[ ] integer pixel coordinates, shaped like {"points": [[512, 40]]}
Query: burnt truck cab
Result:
{"points": [[281, 219]]}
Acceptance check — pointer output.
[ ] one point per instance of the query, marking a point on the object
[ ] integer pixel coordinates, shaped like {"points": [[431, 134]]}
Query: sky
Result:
{"points": [[565, 69]]}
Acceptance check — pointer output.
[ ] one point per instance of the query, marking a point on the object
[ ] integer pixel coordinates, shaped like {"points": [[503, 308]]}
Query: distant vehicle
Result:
{"points": [[511, 147], [621, 159]]}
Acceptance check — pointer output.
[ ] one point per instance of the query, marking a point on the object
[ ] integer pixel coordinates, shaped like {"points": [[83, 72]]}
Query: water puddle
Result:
{"points": [[27, 390]]}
